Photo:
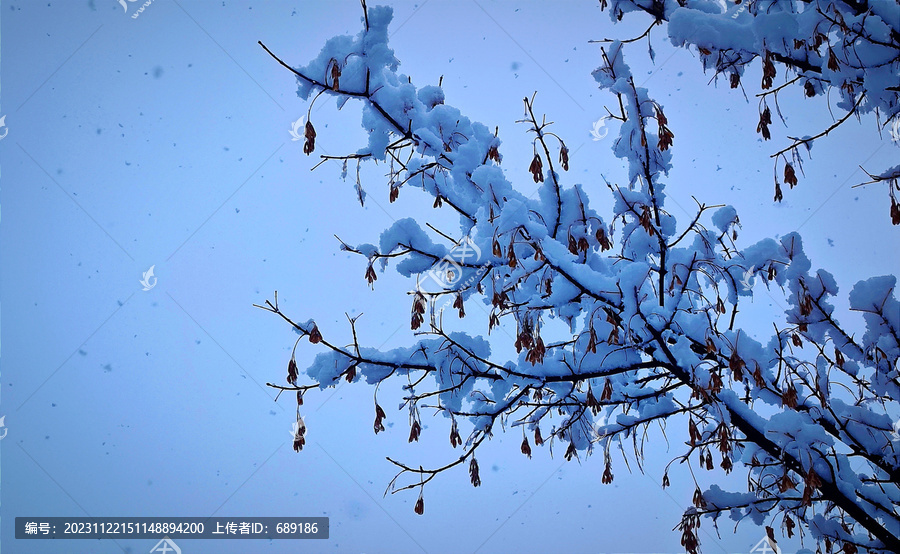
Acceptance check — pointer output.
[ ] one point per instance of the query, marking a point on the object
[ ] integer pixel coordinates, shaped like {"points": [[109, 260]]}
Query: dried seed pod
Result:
{"points": [[379, 419], [335, 76], [838, 358], [564, 156], [455, 439], [315, 336], [735, 80], [789, 176], [607, 391], [496, 250], [603, 240], [458, 304], [570, 451], [592, 403], [371, 277], [473, 473], [299, 435], [833, 61], [494, 154], [538, 440], [809, 89], [736, 364], [537, 169], [768, 71], [420, 505], [526, 448], [789, 396], [607, 474], [414, 431], [310, 133], [292, 372]]}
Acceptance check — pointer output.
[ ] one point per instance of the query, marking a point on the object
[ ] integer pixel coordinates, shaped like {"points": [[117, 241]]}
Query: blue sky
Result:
{"points": [[163, 140]]}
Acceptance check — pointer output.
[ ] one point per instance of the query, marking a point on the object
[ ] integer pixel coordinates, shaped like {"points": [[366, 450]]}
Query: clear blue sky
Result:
{"points": [[163, 140]]}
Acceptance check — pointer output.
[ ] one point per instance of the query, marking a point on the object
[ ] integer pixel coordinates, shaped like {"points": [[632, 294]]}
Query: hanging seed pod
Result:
{"points": [[371, 277], [736, 364], [573, 245], [591, 402], [789, 396], [455, 439], [735, 80], [537, 169], [315, 336], [496, 250], [538, 440], [473, 473], [789, 176], [769, 72], [494, 154], [526, 448], [420, 505], [607, 474], [765, 119], [458, 304], [786, 483], [292, 372], [833, 61], [778, 195], [570, 451], [809, 89], [379, 419], [603, 240], [299, 435], [811, 483], [335, 76], [310, 133], [564, 156], [414, 431], [583, 244]]}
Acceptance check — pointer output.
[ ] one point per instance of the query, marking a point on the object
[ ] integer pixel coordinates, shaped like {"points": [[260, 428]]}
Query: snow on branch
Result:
{"points": [[654, 332]]}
